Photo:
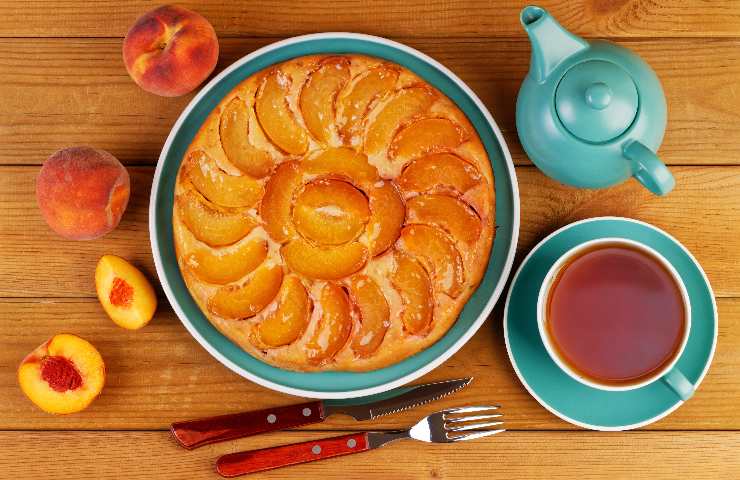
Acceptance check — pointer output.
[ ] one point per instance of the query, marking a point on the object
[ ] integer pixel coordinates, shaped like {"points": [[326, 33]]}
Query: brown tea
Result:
{"points": [[615, 315]]}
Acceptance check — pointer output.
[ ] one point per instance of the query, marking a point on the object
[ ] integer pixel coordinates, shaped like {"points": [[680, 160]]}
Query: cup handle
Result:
{"points": [[678, 382], [648, 169]]}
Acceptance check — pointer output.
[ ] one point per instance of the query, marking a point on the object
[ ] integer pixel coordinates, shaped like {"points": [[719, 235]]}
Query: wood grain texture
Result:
{"points": [[61, 92], [621, 18], [702, 212], [160, 374], [511, 455]]}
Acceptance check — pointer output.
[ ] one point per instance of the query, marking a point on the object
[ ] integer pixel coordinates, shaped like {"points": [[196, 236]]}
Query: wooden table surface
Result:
{"points": [[62, 83]]}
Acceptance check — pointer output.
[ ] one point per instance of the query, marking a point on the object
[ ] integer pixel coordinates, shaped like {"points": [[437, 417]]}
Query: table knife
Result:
{"points": [[196, 433]]}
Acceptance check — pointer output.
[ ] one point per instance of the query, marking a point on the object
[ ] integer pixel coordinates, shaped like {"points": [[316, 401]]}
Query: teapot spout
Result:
{"points": [[551, 43]]}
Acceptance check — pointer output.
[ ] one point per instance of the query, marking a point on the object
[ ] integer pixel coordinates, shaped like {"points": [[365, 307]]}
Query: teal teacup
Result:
{"points": [[668, 373]]}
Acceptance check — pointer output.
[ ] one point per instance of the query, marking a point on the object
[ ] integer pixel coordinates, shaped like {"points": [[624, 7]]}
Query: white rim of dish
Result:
{"points": [[552, 409], [391, 384]]}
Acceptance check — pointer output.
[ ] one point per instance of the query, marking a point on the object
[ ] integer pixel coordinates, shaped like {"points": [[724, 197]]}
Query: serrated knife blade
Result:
{"points": [[403, 398]]}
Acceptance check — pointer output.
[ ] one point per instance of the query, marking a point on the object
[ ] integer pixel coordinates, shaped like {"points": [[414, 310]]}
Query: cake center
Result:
{"points": [[330, 212]]}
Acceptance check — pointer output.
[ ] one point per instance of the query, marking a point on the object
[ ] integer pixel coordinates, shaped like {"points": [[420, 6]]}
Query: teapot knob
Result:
{"points": [[598, 95]]}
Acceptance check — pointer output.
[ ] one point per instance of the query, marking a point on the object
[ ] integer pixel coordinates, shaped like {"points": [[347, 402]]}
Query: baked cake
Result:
{"points": [[334, 213]]}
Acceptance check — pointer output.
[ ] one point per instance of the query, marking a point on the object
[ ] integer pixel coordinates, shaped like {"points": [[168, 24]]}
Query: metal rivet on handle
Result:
{"points": [[306, 412], [316, 449], [351, 443], [271, 418]]}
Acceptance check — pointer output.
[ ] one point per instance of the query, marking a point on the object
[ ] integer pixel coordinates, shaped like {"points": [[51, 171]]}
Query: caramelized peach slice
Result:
{"points": [[289, 320], [374, 314], [64, 375], [227, 265], [212, 225], [438, 254], [415, 288], [124, 292], [234, 129], [387, 214], [334, 325], [344, 162], [354, 105], [248, 299], [330, 212], [427, 135], [326, 263], [318, 96], [278, 199], [275, 116], [439, 172], [449, 213], [405, 104], [218, 186]]}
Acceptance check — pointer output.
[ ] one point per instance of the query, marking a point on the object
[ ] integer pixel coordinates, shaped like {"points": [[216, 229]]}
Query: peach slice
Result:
{"points": [[415, 288], [437, 253], [374, 314], [334, 325], [386, 217], [211, 224], [326, 263], [226, 266], [427, 135], [275, 115], [353, 106], [278, 200], [250, 298], [439, 172], [330, 212], [234, 129], [403, 106], [319, 93], [449, 213], [289, 320], [63, 375], [218, 186], [124, 292], [344, 162]]}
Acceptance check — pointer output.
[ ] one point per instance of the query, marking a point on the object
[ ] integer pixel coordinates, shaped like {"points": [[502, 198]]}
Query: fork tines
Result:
{"points": [[459, 420]]}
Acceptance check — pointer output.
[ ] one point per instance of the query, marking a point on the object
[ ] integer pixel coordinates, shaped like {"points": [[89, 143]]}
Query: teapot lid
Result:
{"points": [[596, 101]]}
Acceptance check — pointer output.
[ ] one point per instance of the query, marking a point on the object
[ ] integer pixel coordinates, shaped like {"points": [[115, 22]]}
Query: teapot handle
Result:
{"points": [[648, 169]]}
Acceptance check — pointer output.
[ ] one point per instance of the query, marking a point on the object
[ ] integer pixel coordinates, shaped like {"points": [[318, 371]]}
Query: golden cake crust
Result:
{"points": [[334, 212]]}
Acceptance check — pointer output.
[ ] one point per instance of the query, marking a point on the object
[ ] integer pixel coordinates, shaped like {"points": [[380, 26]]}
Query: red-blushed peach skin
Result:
{"points": [[82, 192], [63, 375], [170, 50]]}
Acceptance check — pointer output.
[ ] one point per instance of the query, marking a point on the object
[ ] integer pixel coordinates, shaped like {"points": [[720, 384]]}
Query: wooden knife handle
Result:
{"points": [[196, 433], [235, 464]]}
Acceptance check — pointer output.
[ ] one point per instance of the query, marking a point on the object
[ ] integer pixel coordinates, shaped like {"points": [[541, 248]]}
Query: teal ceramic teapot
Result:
{"points": [[590, 114]]}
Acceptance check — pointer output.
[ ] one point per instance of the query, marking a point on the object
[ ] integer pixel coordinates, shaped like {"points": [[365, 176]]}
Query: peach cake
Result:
{"points": [[334, 213]]}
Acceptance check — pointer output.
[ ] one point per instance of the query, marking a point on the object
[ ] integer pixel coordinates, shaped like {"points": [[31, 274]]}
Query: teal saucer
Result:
{"points": [[565, 397]]}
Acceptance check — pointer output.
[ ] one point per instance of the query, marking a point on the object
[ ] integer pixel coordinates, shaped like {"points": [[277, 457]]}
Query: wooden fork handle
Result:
{"points": [[196, 433], [235, 464]]}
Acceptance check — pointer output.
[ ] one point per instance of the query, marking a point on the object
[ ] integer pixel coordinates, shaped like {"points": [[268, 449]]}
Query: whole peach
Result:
{"points": [[170, 50], [82, 192]]}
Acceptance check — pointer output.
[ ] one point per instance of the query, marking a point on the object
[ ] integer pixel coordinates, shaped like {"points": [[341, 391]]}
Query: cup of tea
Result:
{"points": [[615, 315]]}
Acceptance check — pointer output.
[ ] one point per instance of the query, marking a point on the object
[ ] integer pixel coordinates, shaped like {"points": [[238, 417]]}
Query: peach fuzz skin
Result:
{"points": [[82, 192], [170, 50], [63, 375]]}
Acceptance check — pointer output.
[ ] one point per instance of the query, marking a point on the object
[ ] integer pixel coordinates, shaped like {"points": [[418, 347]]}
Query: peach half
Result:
{"points": [[124, 292], [170, 50], [82, 192], [63, 375]]}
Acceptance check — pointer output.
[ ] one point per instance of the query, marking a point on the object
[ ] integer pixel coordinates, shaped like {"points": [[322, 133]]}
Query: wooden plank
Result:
{"points": [[473, 18], [160, 374], [60, 92], [532, 455], [702, 213]]}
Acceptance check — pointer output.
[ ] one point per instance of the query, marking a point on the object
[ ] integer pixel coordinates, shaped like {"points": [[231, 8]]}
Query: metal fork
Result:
{"points": [[450, 425]]}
